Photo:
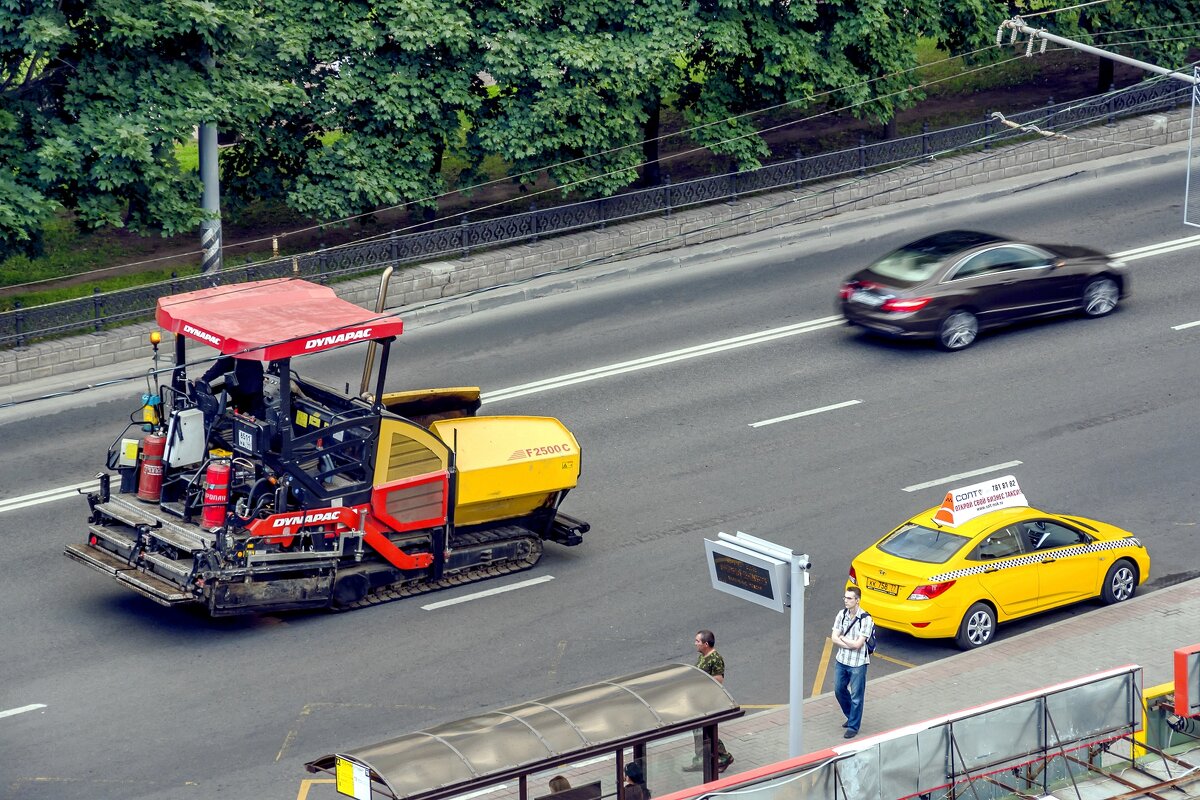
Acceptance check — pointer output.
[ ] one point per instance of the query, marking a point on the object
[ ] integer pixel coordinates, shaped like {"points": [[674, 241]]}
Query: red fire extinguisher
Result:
{"points": [[216, 494], [150, 476]]}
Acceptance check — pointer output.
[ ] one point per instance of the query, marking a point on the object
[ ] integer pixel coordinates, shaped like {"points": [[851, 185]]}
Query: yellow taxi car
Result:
{"points": [[984, 557]]}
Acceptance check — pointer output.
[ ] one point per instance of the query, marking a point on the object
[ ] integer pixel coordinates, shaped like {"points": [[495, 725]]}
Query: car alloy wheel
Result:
{"points": [[1100, 297], [1119, 583], [958, 330], [977, 628]]}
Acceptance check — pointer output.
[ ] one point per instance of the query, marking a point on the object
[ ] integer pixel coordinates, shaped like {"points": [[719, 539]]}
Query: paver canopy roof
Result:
{"points": [[499, 743], [266, 320]]}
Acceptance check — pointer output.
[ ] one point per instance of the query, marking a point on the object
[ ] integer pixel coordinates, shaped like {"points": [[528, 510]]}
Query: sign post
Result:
{"points": [[762, 572]]}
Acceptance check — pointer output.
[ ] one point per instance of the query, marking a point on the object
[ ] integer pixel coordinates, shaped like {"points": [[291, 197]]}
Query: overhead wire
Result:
{"points": [[679, 154], [691, 151], [634, 249], [1060, 10], [508, 178], [609, 151]]}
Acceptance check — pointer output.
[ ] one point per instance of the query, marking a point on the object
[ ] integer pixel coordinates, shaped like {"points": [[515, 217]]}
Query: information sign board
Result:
{"points": [[744, 573], [352, 779]]}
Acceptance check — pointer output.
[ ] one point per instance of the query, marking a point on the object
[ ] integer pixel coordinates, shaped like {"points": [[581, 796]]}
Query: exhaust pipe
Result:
{"points": [[369, 364]]}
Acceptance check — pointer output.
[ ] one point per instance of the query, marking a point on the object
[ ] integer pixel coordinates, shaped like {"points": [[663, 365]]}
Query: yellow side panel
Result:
{"points": [[406, 450], [508, 466]]}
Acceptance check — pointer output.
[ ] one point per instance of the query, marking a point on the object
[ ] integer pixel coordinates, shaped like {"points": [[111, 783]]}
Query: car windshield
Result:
{"points": [[917, 261], [910, 266], [918, 543]]}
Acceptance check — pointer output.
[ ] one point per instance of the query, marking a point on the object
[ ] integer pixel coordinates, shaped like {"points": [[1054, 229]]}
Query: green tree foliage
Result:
{"points": [[96, 94], [563, 80], [385, 86], [593, 76], [337, 107]]}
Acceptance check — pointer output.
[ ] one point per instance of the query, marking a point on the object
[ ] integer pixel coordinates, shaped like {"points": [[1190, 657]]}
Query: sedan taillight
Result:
{"points": [[847, 289], [905, 305], [930, 590]]}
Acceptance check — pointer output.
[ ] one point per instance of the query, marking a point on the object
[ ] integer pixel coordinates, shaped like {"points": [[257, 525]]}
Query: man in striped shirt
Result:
{"points": [[851, 629]]}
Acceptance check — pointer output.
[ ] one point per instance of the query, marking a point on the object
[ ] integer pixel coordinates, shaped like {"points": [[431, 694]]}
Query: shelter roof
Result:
{"points": [[466, 754]]}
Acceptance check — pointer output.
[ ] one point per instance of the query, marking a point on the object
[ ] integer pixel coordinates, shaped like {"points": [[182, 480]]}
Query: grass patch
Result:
{"points": [[953, 76], [44, 297], [69, 252]]}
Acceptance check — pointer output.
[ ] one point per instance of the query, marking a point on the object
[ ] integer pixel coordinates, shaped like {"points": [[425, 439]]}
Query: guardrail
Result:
{"points": [[102, 310]]}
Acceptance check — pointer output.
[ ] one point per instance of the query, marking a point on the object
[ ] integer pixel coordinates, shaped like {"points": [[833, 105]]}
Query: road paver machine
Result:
{"points": [[254, 489]]}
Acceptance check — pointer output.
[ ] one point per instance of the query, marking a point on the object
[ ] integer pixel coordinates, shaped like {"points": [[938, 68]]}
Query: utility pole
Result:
{"points": [[210, 177], [1017, 25], [210, 227]]}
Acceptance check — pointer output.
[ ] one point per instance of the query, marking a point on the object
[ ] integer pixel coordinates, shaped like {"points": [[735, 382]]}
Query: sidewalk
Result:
{"points": [[1144, 630]]}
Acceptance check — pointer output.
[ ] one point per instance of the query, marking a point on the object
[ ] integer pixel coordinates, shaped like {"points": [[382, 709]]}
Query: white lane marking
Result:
{"points": [[1185, 325], [961, 475], [12, 712], [488, 593], [808, 413], [1158, 249], [61, 493], [662, 358]]}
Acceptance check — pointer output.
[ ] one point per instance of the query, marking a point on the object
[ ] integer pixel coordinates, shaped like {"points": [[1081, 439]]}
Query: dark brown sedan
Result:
{"points": [[952, 285]]}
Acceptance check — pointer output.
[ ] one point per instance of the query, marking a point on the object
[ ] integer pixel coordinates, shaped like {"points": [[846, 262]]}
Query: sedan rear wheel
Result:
{"points": [[978, 627], [958, 330], [1100, 296], [1119, 583]]}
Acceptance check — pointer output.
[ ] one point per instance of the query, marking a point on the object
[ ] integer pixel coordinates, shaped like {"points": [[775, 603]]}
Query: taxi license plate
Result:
{"points": [[880, 586], [866, 298]]}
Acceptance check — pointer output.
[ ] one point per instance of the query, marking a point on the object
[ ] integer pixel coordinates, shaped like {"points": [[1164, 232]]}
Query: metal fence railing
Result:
{"points": [[21, 326]]}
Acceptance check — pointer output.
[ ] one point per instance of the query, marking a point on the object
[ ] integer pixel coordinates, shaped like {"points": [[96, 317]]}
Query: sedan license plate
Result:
{"points": [[866, 298], [880, 586]]}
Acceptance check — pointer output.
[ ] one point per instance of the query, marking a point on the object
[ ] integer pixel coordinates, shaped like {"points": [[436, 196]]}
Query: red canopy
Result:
{"points": [[267, 320]]}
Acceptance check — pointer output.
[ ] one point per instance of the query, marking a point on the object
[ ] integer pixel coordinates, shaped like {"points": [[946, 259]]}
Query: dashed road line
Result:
{"points": [[12, 712], [952, 478], [466, 598], [808, 413]]}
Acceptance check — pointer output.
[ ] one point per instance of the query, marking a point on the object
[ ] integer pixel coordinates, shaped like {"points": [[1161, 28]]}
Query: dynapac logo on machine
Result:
{"points": [[339, 338], [315, 518], [199, 334]]}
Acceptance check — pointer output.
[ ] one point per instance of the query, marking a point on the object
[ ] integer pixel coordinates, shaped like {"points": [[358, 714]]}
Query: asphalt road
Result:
{"points": [[145, 702]]}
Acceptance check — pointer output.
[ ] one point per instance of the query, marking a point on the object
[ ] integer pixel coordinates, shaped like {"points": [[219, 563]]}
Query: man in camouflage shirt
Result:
{"points": [[711, 662]]}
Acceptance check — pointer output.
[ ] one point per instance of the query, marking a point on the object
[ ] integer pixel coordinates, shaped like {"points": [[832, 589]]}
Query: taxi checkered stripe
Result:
{"points": [[1033, 558]]}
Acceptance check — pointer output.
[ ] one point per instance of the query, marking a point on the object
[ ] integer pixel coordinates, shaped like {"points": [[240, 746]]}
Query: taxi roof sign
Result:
{"points": [[968, 502]]}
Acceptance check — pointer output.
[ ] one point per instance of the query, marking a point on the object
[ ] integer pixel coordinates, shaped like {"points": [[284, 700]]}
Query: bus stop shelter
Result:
{"points": [[472, 754]]}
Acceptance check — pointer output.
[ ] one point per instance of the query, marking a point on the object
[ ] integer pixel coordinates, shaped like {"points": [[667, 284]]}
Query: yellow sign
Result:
{"points": [[353, 780]]}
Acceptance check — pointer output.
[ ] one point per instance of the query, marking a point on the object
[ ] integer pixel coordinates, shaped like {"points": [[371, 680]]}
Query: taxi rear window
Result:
{"points": [[918, 543]]}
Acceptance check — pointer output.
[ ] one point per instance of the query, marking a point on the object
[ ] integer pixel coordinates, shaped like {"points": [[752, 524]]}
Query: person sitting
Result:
{"points": [[559, 784], [243, 382], [635, 782]]}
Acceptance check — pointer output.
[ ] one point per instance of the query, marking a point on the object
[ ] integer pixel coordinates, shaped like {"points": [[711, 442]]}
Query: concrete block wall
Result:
{"points": [[434, 281]]}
